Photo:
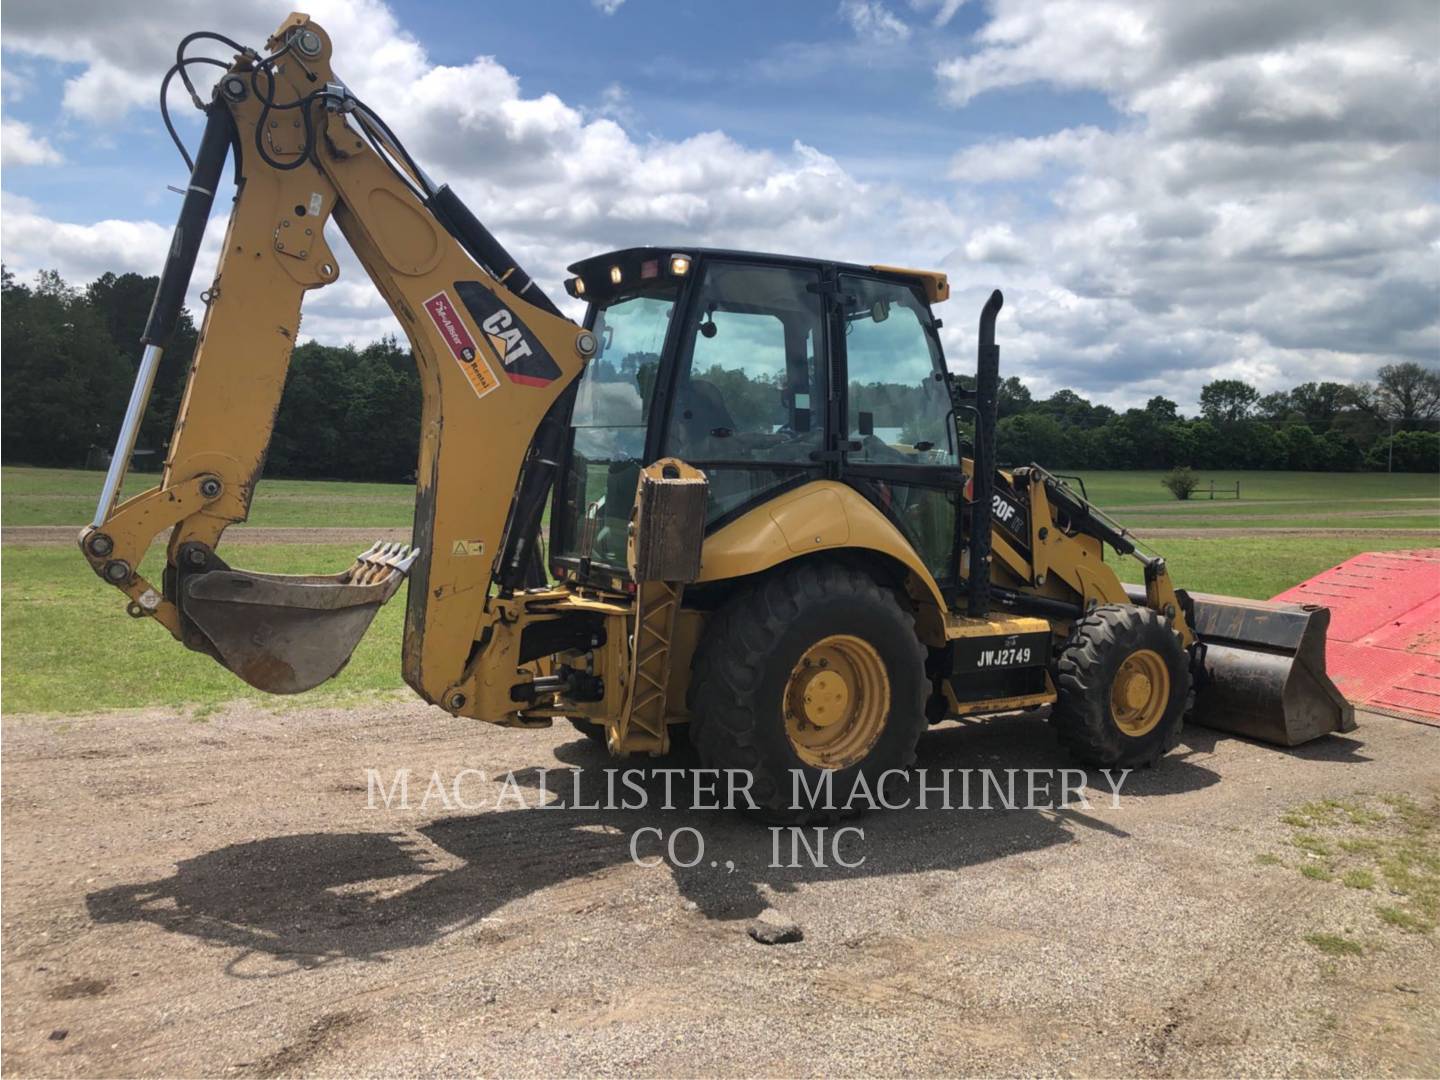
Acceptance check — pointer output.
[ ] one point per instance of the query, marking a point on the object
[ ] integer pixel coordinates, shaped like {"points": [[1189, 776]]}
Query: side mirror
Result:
{"points": [[866, 423]]}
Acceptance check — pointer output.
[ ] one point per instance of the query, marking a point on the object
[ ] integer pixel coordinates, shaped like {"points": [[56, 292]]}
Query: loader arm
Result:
{"points": [[494, 357]]}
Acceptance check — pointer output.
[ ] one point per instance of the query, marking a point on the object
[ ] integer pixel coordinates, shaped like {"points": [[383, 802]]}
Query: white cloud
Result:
{"points": [[21, 146], [873, 21], [1265, 207], [81, 252], [607, 7], [554, 181], [615, 104], [1020, 159], [944, 9], [995, 244], [14, 83]]}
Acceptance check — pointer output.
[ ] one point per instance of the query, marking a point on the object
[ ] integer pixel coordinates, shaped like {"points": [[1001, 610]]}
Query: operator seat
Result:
{"points": [[703, 413]]}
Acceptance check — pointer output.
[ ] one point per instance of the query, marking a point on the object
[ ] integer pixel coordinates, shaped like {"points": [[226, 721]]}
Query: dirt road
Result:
{"points": [[215, 898]]}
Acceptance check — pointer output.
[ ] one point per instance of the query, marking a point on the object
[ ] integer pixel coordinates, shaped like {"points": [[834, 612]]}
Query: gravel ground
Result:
{"points": [[215, 898]]}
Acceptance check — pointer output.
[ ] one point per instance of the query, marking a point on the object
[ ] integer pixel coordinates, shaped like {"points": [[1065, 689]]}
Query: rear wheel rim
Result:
{"points": [[836, 701], [1140, 693]]}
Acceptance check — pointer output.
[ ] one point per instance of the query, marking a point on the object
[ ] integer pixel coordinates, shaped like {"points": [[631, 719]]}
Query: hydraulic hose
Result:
{"points": [[461, 223]]}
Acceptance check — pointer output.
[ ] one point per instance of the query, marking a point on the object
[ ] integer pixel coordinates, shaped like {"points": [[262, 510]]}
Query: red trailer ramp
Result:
{"points": [[1384, 642]]}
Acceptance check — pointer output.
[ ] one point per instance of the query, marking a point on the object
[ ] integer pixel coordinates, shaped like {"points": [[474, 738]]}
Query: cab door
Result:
{"points": [[746, 402], [899, 448]]}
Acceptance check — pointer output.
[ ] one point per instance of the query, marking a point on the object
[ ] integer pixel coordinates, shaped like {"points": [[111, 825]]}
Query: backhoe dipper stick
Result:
{"points": [[170, 296]]}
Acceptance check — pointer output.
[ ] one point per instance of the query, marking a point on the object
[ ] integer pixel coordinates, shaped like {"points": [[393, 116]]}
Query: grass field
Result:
{"points": [[1323, 490], [67, 497], [1268, 499], [69, 647], [1273, 500]]}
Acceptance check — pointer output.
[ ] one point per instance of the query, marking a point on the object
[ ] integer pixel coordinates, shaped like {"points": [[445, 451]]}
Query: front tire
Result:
{"points": [[814, 669], [1123, 681]]}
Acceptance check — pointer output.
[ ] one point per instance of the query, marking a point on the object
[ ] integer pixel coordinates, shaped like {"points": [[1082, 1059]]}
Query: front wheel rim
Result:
{"points": [[1140, 693], [836, 702]]}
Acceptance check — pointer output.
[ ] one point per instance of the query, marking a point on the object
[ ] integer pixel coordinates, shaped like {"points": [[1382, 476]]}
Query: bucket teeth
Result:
{"points": [[380, 560]]}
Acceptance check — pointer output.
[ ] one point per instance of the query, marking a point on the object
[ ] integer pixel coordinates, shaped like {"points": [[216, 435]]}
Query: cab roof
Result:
{"points": [[596, 269]]}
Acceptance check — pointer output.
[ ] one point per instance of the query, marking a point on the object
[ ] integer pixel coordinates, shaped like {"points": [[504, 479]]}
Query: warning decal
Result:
{"points": [[461, 344]]}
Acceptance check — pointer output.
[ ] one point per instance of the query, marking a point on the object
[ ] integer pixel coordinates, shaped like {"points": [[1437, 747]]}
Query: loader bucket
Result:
{"points": [[286, 633], [1263, 673]]}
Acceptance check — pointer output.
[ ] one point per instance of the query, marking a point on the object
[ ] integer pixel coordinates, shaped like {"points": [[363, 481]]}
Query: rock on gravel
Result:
{"points": [[773, 928]]}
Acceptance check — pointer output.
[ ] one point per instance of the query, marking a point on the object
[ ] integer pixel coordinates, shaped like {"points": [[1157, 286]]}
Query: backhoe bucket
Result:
{"points": [[286, 633], [1263, 673]]}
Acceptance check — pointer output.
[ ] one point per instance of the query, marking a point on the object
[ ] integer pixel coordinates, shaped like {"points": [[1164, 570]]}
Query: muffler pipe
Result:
{"points": [[982, 481]]}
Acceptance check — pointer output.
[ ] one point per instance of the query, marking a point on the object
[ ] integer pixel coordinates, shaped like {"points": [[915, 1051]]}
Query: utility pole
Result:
{"points": [[1390, 462]]}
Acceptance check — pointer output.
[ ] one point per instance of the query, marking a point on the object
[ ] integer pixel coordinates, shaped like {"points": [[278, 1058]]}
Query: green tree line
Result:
{"points": [[69, 357], [1323, 427]]}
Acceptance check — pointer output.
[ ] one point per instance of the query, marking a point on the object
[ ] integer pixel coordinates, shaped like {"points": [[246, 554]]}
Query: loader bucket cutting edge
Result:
{"points": [[1263, 674], [287, 633]]}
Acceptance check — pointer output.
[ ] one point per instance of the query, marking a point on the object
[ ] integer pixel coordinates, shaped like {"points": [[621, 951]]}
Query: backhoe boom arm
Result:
{"points": [[493, 353]]}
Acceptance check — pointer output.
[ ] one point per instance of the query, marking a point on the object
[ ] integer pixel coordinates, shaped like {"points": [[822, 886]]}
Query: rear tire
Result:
{"points": [[1123, 680], [813, 669]]}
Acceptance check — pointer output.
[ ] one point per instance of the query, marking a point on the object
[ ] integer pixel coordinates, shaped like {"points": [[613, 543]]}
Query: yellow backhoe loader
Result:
{"points": [[764, 525]]}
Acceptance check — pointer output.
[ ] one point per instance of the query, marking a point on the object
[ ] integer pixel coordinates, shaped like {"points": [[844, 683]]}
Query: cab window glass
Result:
{"points": [[898, 404], [608, 427], [748, 394]]}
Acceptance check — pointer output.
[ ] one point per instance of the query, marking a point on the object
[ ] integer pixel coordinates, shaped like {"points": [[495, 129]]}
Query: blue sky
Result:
{"points": [[1168, 192], [875, 107]]}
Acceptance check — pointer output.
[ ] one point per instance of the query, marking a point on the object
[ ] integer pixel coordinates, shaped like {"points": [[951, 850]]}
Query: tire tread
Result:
{"points": [[1081, 716], [729, 665]]}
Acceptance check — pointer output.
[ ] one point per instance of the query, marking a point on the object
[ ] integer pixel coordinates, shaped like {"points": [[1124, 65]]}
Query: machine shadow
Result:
{"points": [[1341, 749], [313, 898]]}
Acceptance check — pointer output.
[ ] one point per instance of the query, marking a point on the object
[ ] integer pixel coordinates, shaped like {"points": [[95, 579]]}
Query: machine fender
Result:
{"points": [[1100, 584], [821, 516]]}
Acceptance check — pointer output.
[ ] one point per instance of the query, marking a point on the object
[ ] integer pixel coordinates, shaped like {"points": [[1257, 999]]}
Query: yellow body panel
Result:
{"points": [[993, 625], [999, 705], [824, 515], [935, 283]]}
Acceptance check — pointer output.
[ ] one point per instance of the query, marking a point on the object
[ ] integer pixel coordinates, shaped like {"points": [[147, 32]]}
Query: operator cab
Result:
{"points": [[767, 372]]}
